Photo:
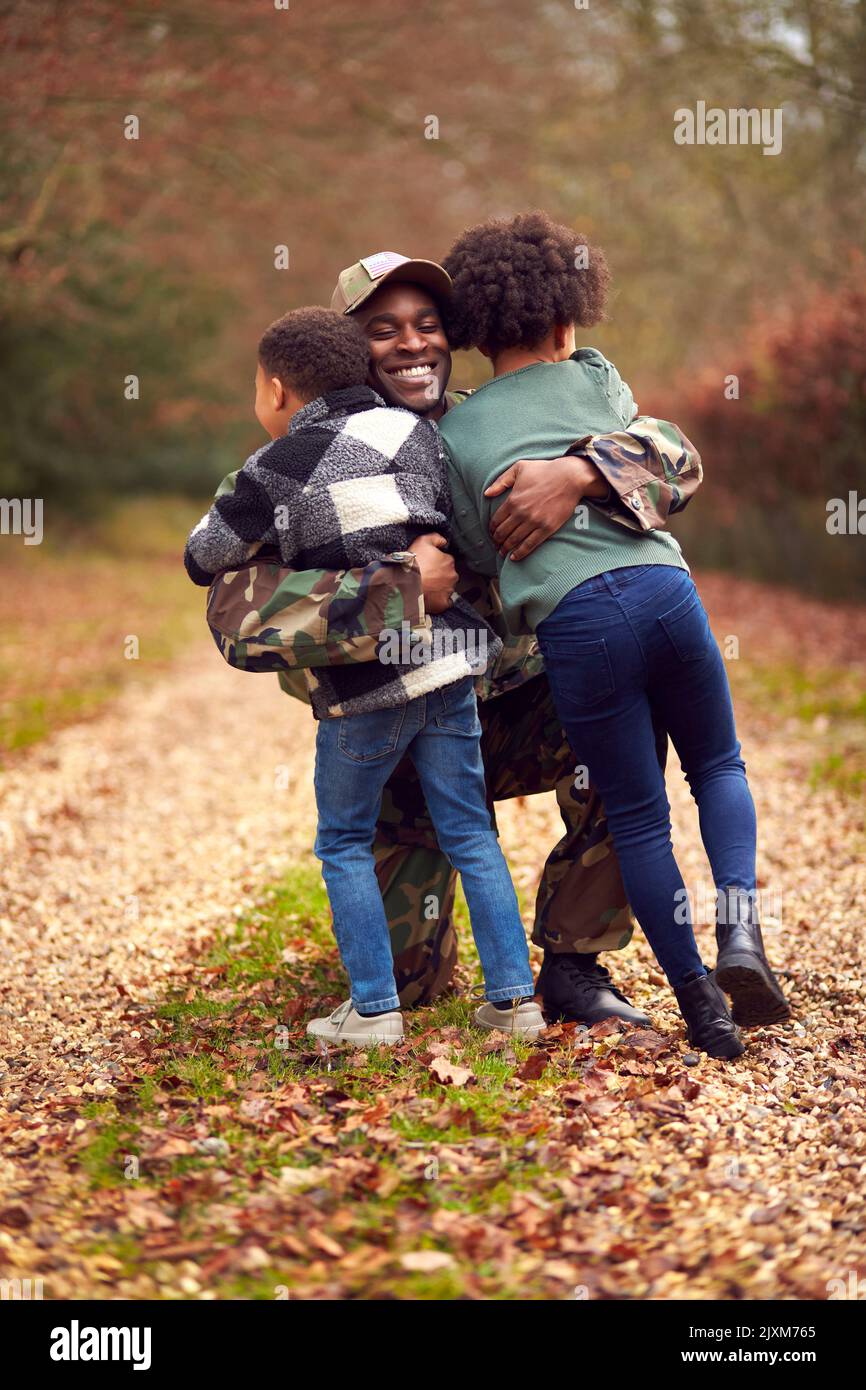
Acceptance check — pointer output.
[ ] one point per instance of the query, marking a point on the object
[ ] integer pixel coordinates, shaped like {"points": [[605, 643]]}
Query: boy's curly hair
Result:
{"points": [[314, 351], [515, 278]]}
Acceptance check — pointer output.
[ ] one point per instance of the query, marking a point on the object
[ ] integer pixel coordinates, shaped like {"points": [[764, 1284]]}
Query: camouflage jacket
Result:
{"points": [[267, 618], [652, 469]]}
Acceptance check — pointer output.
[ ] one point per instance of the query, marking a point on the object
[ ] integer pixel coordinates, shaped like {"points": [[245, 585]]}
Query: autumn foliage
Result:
{"points": [[798, 421], [327, 132]]}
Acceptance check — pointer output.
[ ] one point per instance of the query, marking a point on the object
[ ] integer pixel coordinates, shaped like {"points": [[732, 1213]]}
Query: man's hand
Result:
{"points": [[544, 494], [438, 573]]}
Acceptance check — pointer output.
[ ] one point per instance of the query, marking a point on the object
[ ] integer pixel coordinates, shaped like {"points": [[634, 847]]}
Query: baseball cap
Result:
{"points": [[357, 282]]}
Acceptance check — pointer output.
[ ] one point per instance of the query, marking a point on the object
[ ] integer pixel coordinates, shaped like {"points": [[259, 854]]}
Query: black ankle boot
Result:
{"points": [[708, 1022], [577, 989], [742, 969]]}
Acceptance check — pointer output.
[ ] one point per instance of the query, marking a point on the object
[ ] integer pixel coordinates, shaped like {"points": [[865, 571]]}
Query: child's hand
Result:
{"points": [[438, 572], [544, 494]]}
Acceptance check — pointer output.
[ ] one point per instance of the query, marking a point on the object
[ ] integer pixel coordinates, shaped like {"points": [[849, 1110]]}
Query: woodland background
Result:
{"points": [[305, 127], [165, 1129]]}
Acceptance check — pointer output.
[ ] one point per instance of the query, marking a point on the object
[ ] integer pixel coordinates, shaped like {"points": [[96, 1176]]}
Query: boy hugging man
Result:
{"points": [[346, 481]]}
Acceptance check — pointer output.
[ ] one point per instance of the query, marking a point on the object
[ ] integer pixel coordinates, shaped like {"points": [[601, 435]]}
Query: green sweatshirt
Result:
{"points": [[539, 412]]}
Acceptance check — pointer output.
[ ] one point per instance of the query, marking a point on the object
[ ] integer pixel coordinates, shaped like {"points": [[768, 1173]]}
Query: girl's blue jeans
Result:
{"points": [[618, 649], [355, 756]]}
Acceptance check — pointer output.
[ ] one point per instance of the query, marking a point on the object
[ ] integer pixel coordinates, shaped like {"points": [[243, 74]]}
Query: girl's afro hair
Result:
{"points": [[515, 278]]}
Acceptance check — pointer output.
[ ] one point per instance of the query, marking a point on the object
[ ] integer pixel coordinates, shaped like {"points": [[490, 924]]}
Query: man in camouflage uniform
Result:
{"points": [[268, 618]]}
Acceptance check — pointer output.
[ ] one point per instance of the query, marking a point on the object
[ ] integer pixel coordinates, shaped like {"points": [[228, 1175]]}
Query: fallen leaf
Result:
{"points": [[426, 1261], [449, 1073], [299, 1178], [324, 1243], [173, 1147], [533, 1067]]}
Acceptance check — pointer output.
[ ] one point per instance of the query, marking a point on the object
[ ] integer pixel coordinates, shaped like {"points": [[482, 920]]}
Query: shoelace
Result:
{"points": [[594, 980]]}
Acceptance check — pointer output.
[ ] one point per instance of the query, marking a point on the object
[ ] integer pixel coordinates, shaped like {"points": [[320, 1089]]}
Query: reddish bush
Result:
{"points": [[798, 426]]}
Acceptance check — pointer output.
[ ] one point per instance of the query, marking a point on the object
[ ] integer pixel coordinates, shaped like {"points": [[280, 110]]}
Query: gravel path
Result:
{"points": [[128, 839]]}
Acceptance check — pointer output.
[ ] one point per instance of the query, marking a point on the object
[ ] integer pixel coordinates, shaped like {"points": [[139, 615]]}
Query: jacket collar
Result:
{"points": [[349, 401]]}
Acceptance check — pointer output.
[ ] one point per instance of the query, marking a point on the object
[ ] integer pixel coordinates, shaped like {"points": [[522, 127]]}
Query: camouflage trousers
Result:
{"points": [[581, 903]]}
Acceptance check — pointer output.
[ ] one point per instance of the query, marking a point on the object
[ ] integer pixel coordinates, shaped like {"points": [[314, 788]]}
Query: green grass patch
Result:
{"points": [[214, 1069], [86, 590], [829, 702], [115, 1139], [844, 772], [791, 692]]}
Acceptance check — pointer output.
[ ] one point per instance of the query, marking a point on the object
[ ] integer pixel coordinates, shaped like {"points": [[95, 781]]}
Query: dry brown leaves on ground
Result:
{"points": [[186, 1152]]}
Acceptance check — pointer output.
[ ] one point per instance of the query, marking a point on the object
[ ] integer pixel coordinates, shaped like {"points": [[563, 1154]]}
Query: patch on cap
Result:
{"points": [[359, 281], [382, 262]]}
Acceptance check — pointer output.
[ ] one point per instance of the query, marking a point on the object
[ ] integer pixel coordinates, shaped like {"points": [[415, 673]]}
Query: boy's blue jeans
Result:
{"points": [[355, 756], [617, 648]]}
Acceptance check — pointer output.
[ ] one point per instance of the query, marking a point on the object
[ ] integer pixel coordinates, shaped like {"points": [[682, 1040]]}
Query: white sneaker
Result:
{"points": [[524, 1021], [346, 1025]]}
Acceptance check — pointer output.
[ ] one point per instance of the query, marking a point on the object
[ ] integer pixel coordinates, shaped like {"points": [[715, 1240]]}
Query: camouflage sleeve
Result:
{"points": [[264, 617], [651, 468]]}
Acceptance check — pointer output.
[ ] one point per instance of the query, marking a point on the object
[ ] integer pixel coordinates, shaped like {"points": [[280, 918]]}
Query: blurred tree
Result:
{"points": [[309, 127], [785, 433]]}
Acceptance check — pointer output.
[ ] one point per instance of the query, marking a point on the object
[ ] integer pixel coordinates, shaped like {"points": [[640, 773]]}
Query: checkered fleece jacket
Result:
{"points": [[351, 481]]}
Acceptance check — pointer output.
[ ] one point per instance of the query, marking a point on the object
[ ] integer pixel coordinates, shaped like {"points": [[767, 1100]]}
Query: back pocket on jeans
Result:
{"points": [[365, 737], [454, 707], [580, 673], [687, 628]]}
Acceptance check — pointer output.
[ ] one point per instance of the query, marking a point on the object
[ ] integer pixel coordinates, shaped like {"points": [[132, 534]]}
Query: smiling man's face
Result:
{"points": [[410, 360]]}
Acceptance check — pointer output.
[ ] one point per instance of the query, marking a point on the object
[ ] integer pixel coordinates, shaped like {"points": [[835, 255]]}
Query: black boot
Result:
{"points": [[708, 1022], [576, 989], [742, 969]]}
